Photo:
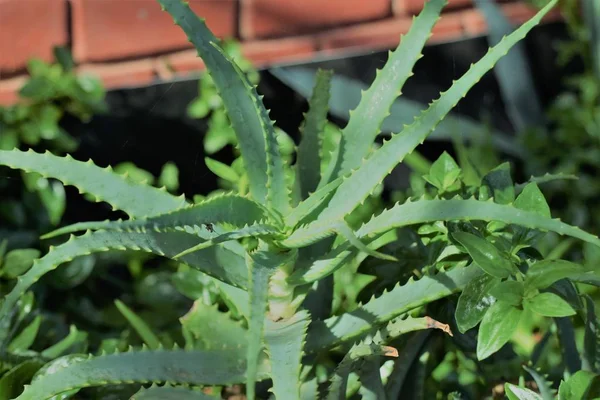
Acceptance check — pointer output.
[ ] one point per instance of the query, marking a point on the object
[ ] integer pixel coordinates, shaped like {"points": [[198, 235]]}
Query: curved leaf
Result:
{"points": [[250, 120], [170, 393], [194, 367], [497, 327], [137, 200]]}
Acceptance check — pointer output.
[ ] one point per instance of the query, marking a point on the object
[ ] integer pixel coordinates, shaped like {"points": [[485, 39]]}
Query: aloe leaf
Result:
{"points": [[194, 367], [139, 325], [363, 181], [312, 203], [136, 199], [218, 261], [346, 94], [401, 299], [568, 345], [250, 120], [369, 376], [234, 297], [545, 179], [591, 14], [256, 231], [512, 72], [261, 266], [591, 345], [230, 209], [308, 162], [170, 393], [285, 341], [365, 121], [423, 211], [210, 329], [542, 383], [358, 352]]}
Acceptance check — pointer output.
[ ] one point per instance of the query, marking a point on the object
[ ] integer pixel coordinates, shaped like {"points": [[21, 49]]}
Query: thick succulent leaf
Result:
{"points": [[285, 342], [205, 327], [170, 393], [136, 199], [262, 264], [26, 337], [193, 367], [474, 301], [311, 204], [362, 181], [591, 339], [371, 385], [218, 262], [365, 121], [139, 325], [545, 387], [497, 327], [359, 352], [419, 212], [568, 345], [545, 179], [230, 209], [250, 120], [512, 72], [74, 337], [308, 162], [346, 94], [353, 324], [256, 231]]}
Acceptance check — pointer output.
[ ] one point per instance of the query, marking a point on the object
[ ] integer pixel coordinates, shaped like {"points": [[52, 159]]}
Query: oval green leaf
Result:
{"points": [[474, 301], [549, 305], [496, 329], [485, 254]]}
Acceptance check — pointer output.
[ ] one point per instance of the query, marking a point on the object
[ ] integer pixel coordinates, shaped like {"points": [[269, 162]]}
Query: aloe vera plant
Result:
{"points": [[270, 246]]}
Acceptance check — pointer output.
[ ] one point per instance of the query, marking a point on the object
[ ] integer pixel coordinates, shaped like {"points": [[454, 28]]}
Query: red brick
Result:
{"points": [[277, 18], [106, 30], [30, 28], [448, 28], [122, 74], [185, 62], [518, 13], [374, 35], [263, 53], [9, 89]]}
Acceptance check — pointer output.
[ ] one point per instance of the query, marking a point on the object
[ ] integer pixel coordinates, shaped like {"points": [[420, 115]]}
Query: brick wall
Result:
{"points": [[134, 43]]}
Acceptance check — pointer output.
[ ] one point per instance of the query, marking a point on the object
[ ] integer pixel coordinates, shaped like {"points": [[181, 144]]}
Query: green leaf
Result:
{"points": [[361, 182], [214, 210], [544, 273], [544, 387], [170, 393], [549, 305], [192, 367], [485, 255], [443, 172], [169, 177], [285, 342], [219, 261], [580, 386], [210, 329], [474, 301], [139, 325], [404, 363], [500, 182], [514, 392], [250, 120], [309, 150], [26, 338], [365, 121], [12, 382], [401, 299], [497, 327], [135, 199], [532, 199], [58, 349], [262, 264], [222, 170], [510, 292], [17, 262]]}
